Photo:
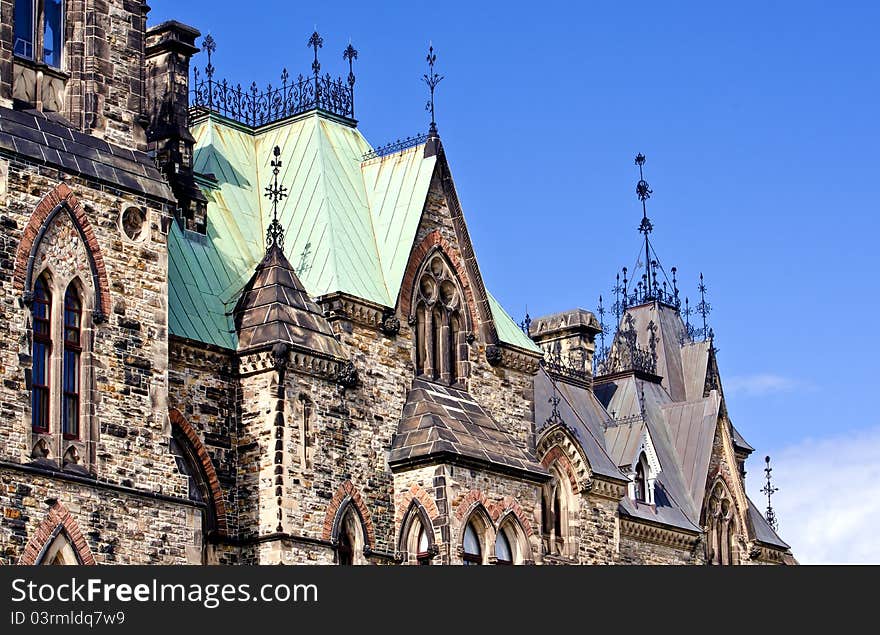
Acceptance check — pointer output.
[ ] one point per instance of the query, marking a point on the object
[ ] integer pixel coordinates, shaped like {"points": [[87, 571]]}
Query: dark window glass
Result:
{"points": [[53, 31], [42, 349], [23, 29], [503, 552], [471, 544], [345, 549], [640, 484], [71, 370]]}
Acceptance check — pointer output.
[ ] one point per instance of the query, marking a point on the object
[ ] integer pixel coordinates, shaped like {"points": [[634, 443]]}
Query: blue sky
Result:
{"points": [[758, 121]]}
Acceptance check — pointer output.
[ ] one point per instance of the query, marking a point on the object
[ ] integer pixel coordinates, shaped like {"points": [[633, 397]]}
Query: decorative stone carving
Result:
{"points": [[494, 355]]}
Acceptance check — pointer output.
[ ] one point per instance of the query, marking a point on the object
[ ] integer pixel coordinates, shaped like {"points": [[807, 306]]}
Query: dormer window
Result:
{"points": [[39, 31], [643, 475]]}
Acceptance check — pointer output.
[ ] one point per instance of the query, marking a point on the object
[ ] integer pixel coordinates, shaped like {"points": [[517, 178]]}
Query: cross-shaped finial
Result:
{"points": [[275, 193], [704, 308], [432, 79], [316, 42], [210, 46], [350, 53], [769, 490]]}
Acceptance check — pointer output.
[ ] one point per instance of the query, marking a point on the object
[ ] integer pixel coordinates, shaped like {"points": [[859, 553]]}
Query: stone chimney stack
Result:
{"points": [[568, 340], [170, 46]]}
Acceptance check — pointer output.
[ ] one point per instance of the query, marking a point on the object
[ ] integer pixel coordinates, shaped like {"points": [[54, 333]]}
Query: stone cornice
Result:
{"points": [[517, 358], [658, 535], [196, 354], [603, 487], [342, 306], [262, 361]]}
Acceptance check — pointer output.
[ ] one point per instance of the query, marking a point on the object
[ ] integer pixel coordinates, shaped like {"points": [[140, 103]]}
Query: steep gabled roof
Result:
{"points": [[349, 224]]}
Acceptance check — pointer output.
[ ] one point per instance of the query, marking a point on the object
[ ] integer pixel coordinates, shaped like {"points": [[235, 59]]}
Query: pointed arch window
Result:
{"points": [[440, 316], [70, 399], [641, 482], [41, 311], [503, 551], [350, 539], [721, 527], [472, 553]]}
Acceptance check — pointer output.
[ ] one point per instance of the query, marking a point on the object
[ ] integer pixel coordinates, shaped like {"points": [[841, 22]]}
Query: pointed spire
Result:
{"points": [[769, 490], [275, 193], [431, 79], [704, 308], [643, 191]]}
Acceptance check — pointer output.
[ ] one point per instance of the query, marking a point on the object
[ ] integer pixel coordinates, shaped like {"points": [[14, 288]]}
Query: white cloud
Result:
{"points": [[760, 384], [828, 504]]}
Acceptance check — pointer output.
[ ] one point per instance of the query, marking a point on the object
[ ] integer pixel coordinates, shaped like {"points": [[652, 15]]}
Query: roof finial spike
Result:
{"points": [[350, 53], [643, 191], [526, 324], [603, 330], [431, 79], [275, 193], [316, 42], [704, 308], [769, 490]]}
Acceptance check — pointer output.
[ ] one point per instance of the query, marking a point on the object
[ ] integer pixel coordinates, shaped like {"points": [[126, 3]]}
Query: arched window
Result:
{"points": [[423, 555], [472, 552], [41, 311], [39, 30], [641, 482], [350, 538], [439, 318], [503, 551], [60, 552], [557, 501], [721, 526], [70, 398], [416, 540]]}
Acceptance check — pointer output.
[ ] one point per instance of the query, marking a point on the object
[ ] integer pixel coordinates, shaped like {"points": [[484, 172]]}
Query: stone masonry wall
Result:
{"points": [[118, 527]]}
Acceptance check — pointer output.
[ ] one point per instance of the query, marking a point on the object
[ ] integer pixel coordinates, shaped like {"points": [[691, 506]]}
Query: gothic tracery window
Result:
{"points": [[721, 526], [556, 501], [439, 322], [350, 538], [472, 551], [41, 311], [70, 400]]}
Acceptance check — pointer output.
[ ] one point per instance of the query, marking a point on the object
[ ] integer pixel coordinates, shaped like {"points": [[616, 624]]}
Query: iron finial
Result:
{"points": [[704, 308], [526, 324], [316, 42], [769, 490], [431, 79], [643, 191], [275, 193], [350, 54]]}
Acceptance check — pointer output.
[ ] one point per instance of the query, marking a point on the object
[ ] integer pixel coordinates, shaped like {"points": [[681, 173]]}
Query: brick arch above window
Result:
{"points": [[207, 466], [58, 519], [347, 494], [61, 200]]}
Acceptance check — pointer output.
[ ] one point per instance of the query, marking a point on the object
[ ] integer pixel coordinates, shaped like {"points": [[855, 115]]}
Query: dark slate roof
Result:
{"points": [[763, 531], [582, 414], [441, 421], [274, 307], [49, 138], [739, 441]]}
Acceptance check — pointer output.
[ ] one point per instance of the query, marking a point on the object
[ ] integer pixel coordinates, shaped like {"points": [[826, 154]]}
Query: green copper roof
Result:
{"points": [[349, 225]]}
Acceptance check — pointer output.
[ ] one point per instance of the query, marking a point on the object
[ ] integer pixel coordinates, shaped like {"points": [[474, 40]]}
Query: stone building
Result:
{"points": [[232, 331]]}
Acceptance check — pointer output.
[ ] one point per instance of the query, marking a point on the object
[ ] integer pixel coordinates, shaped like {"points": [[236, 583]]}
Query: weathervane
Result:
{"points": [[769, 490], [275, 193], [432, 79]]}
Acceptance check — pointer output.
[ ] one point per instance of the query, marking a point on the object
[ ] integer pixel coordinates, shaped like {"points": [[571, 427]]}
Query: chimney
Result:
{"points": [[568, 340], [170, 46]]}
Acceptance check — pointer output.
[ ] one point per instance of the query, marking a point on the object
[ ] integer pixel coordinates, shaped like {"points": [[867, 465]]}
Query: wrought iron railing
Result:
{"points": [[625, 353], [566, 366], [395, 146], [254, 107]]}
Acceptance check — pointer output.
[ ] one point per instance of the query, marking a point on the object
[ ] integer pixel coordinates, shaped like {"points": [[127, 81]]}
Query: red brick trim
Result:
{"points": [[58, 196], [347, 492], [556, 455], [58, 516], [417, 258], [415, 492], [179, 421], [509, 506], [470, 500]]}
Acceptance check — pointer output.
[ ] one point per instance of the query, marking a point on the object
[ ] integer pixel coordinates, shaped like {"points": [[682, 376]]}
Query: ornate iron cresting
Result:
{"points": [[626, 354], [769, 490], [254, 107], [565, 366], [431, 79], [275, 193], [395, 146], [555, 418]]}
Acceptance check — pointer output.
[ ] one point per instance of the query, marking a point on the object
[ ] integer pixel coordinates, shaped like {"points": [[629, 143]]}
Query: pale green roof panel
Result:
{"points": [[508, 330]]}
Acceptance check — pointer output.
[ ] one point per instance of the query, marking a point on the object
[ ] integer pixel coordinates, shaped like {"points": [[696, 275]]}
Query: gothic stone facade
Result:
{"points": [[175, 392]]}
